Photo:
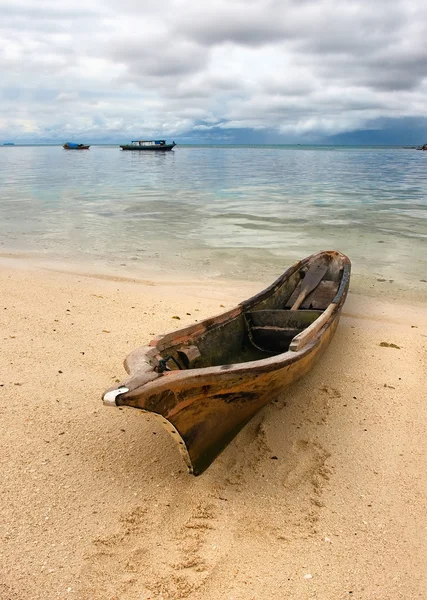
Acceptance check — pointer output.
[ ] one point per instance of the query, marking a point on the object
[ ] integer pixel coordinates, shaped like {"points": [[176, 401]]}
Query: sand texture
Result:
{"points": [[322, 496]]}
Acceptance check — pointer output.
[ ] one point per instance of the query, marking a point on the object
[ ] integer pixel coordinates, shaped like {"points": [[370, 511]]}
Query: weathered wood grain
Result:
{"points": [[206, 381]]}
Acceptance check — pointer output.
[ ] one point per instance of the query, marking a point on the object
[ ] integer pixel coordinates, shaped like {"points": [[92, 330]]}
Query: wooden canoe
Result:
{"points": [[206, 381]]}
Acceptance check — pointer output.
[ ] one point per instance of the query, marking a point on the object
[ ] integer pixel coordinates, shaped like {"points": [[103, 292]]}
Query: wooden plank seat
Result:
{"points": [[321, 297], [273, 330]]}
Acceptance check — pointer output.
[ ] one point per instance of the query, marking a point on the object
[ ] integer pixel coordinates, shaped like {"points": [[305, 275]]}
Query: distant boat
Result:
{"points": [[72, 146], [156, 145], [422, 147], [8, 144]]}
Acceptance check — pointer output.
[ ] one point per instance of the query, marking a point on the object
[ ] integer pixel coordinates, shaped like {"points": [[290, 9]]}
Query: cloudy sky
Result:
{"points": [[220, 71]]}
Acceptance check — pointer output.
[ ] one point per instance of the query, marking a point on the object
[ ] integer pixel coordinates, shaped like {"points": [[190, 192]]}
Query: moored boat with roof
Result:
{"points": [[153, 145]]}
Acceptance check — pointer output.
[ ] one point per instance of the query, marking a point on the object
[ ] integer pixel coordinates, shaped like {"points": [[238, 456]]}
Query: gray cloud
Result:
{"points": [[294, 67], [249, 24], [157, 55]]}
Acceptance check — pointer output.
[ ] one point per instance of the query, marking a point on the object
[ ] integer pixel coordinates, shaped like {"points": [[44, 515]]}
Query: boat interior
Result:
{"points": [[267, 323]]}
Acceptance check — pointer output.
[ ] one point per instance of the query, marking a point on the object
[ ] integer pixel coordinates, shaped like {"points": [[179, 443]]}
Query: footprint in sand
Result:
{"points": [[305, 474], [246, 453], [306, 465], [168, 553]]}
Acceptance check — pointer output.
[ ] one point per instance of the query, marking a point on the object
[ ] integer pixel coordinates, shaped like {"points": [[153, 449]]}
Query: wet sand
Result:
{"points": [[323, 494]]}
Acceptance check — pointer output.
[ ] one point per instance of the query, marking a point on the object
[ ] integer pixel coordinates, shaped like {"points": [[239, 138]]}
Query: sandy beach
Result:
{"points": [[322, 496]]}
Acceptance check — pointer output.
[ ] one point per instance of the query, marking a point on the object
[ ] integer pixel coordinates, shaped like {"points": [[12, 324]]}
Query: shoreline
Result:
{"points": [[374, 285], [96, 503]]}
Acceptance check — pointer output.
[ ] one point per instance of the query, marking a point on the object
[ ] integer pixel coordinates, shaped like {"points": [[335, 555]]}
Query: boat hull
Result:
{"points": [[75, 148], [205, 408], [159, 148], [205, 412]]}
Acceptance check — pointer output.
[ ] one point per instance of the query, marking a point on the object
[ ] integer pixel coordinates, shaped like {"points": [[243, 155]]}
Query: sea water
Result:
{"points": [[241, 212]]}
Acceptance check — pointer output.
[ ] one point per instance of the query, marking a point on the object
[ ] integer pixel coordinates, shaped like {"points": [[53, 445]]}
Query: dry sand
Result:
{"points": [[322, 495]]}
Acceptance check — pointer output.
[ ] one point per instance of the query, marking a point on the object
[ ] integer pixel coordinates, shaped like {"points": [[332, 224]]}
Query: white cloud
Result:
{"points": [[174, 66]]}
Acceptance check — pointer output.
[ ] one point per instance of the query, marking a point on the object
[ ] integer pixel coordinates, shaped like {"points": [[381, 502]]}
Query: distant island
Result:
{"points": [[8, 144]]}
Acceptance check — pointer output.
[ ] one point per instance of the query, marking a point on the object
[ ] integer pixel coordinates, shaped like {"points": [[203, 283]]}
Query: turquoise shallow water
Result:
{"points": [[240, 212]]}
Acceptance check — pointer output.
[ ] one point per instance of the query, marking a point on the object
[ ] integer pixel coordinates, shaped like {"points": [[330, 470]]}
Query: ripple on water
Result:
{"points": [[233, 211]]}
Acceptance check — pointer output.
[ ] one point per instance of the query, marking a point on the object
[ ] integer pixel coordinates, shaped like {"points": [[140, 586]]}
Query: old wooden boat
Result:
{"points": [[150, 145], [73, 146], [206, 381]]}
